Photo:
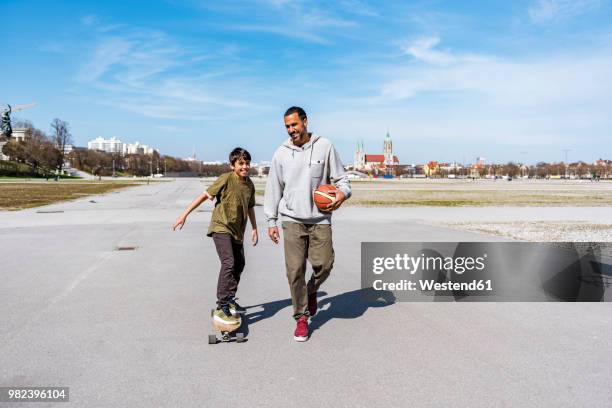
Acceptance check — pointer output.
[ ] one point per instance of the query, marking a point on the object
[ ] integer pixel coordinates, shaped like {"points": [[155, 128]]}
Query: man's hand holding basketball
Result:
{"points": [[273, 234], [337, 202]]}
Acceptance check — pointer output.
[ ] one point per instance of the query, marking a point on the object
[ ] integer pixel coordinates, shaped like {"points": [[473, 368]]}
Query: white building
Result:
{"points": [[112, 145], [137, 148], [359, 161], [20, 134], [67, 149], [262, 167]]}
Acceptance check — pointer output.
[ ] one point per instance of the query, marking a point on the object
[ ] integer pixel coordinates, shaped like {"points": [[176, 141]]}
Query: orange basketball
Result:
{"points": [[324, 195]]}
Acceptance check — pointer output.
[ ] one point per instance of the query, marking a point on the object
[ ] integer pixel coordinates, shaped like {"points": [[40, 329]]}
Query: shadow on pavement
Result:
{"points": [[269, 310], [350, 305]]}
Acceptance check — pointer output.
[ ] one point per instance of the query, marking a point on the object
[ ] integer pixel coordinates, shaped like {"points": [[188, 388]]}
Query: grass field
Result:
{"points": [[460, 193], [19, 195], [458, 198], [16, 194]]}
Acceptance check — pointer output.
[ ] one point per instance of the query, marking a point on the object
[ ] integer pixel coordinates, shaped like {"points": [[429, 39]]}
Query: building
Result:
{"points": [[19, 135], [477, 169], [193, 157], [421, 170], [263, 168], [385, 163], [433, 168], [67, 149], [112, 145], [137, 148]]}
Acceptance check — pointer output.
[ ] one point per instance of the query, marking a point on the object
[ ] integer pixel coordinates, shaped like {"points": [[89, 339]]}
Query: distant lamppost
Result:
{"points": [[566, 166]]}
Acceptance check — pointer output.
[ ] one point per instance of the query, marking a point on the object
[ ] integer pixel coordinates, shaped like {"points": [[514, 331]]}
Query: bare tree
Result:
{"points": [[62, 138], [37, 150]]}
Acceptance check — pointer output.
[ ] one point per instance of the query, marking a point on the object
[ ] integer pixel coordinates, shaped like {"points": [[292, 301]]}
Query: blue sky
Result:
{"points": [[449, 80]]}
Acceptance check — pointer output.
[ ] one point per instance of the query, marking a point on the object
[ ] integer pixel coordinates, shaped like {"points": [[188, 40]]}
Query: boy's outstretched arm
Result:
{"points": [[180, 221], [254, 236]]}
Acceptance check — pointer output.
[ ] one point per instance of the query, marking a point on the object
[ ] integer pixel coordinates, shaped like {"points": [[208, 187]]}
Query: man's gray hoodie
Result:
{"points": [[295, 173]]}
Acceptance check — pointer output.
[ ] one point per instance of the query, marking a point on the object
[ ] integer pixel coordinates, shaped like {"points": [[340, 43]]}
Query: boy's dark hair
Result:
{"points": [[239, 153], [296, 109]]}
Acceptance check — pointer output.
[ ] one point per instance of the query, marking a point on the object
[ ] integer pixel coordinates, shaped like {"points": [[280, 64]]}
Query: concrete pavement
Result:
{"points": [[129, 328]]}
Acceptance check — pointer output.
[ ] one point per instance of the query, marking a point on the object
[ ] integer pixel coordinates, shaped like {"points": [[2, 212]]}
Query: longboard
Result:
{"points": [[228, 331]]}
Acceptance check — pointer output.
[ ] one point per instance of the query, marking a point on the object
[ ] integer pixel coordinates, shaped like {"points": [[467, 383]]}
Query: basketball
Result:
{"points": [[324, 195]]}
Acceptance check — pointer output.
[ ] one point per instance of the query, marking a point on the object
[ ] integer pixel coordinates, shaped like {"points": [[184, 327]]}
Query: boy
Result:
{"points": [[235, 194]]}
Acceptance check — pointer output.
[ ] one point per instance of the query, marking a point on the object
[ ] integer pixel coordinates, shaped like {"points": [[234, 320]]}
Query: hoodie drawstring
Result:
{"points": [[301, 149], [310, 160]]}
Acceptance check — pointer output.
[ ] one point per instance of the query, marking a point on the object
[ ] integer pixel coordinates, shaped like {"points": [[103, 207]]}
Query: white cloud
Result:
{"points": [[297, 19], [549, 101], [423, 49], [146, 72], [280, 30], [109, 52], [544, 11], [549, 80]]}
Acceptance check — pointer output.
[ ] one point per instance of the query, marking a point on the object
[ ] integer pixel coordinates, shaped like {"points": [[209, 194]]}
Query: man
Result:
{"points": [[299, 166]]}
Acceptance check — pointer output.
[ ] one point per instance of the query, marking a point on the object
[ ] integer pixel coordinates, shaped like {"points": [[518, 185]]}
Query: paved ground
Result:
{"points": [[129, 328]]}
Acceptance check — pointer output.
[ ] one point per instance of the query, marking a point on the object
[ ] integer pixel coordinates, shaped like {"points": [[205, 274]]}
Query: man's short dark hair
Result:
{"points": [[239, 153], [296, 109]]}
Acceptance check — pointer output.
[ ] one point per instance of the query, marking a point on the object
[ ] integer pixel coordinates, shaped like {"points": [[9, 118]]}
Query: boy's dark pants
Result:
{"points": [[231, 255], [312, 242]]}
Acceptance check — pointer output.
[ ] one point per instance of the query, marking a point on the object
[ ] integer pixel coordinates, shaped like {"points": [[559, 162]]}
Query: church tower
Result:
{"points": [[388, 152], [359, 161], [356, 159]]}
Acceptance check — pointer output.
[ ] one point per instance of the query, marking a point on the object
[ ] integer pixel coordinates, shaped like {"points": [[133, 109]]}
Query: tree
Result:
{"points": [[40, 151], [15, 151], [581, 169], [62, 137], [510, 169], [36, 150], [214, 170], [542, 170], [92, 161]]}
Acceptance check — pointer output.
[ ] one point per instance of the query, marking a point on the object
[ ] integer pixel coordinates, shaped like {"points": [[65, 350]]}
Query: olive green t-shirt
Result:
{"points": [[234, 198]]}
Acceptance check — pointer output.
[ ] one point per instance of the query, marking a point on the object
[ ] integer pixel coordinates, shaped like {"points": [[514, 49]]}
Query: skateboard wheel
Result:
{"points": [[239, 337], [212, 339], [226, 337]]}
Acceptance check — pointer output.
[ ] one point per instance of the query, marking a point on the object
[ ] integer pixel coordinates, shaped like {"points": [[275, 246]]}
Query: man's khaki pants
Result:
{"points": [[312, 242]]}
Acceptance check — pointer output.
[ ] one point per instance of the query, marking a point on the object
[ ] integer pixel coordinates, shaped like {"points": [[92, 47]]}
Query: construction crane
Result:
{"points": [[5, 119]]}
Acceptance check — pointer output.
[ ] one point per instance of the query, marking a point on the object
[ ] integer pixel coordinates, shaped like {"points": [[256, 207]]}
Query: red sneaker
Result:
{"points": [[301, 331], [312, 304]]}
